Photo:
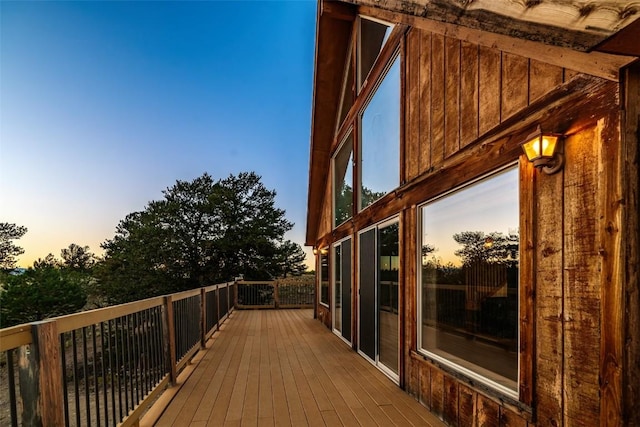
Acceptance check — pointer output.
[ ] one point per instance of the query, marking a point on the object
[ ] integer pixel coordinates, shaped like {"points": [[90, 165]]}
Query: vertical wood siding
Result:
{"points": [[456, 94], [457, 91]]}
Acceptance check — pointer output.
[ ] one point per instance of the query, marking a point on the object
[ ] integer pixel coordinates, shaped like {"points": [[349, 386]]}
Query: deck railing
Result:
{"points": [[105, 367], [275, 294]]}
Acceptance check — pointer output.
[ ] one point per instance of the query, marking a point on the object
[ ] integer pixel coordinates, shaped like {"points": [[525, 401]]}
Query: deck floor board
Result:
{"points": [[283, 368]]}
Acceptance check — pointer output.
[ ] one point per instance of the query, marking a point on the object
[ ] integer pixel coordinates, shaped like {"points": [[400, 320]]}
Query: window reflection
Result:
{"points": [[373, 36], [469, 277], [380, 139], [342, 178], [337, 290], [388, 276], [324, 276]]}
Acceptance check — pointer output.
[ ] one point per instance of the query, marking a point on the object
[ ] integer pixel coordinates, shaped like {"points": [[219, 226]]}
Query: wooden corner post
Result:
{"points": [[276, 294], [40, 376], [169, 338], [203, 317]]}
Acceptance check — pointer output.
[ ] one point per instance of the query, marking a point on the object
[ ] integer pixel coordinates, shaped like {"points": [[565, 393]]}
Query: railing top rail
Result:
{"points": [[15, 336], [219, 285], [185, 294], [85, 318], [256, 282]]}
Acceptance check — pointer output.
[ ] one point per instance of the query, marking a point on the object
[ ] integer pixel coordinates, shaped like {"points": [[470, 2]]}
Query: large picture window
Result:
{"points": [[469, 256], [342, 182], [380, 139]]}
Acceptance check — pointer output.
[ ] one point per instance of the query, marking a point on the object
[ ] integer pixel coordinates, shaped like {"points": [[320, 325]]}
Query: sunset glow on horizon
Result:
{"points": [[106, 104]]}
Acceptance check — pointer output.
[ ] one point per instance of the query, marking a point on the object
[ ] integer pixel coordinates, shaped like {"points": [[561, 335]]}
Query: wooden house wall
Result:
{"points": [[464, 100], [456, 94], [458, 91]]}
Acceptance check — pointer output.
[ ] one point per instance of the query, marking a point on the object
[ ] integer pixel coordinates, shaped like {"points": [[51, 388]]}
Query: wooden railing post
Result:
{"points": [[40, 376], [217, 291], [276, 295], [169, 335], [203, 317], [235, 294]]}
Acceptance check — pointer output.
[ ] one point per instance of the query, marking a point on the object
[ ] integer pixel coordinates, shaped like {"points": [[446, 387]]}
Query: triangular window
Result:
{"points": [[347, 96], [372, 37]]}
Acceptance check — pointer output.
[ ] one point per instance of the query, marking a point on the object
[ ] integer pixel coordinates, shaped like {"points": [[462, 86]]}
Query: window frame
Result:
{"points": [[396, 55], [394, 219], [349, 134], [360, 85], [522, 288], [392, 49], [324, 251], [334, 246]]}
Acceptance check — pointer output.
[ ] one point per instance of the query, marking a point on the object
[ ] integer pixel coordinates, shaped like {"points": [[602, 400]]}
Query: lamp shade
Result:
{"points": [[540, 147]]}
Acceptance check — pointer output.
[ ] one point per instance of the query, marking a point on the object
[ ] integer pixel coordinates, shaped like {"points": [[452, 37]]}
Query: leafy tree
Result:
{"points": [[8, 250], [78, 258], [202, 231], [48, 261], [494, 247], [290, 259], [41, 292], [344, 201]]}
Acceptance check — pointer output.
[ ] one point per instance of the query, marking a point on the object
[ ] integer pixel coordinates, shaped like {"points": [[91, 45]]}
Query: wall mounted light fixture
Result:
{"points": [[544, 150]]}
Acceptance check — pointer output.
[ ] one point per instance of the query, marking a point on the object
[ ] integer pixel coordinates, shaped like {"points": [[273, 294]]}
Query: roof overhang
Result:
{"points": [[333, 32], [581, 25]]}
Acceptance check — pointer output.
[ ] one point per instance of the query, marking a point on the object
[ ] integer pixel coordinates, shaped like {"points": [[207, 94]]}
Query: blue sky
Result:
{"points": [[105, 104]]}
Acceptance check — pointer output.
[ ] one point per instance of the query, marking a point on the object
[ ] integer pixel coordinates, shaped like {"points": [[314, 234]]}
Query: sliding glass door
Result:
{"points": [[342, 289], [379, 265]]}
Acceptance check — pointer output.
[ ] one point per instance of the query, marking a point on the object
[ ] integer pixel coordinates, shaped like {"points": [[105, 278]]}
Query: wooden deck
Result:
{"points": [[281, 367]]}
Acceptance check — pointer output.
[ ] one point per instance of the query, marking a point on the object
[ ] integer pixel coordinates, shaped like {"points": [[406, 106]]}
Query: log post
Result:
{"points": [[40, 377], [169, 337], [276, 295], [235, 294], [218, 310]]}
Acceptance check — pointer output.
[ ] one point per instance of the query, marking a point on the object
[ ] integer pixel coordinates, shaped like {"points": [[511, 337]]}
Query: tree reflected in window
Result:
{"points": [[469, 278]]}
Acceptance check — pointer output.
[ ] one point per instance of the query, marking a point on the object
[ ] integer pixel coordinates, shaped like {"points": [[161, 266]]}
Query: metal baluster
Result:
{"points": [[65, 392], [129, 377], [12, 389], [85, 366], [75, 376], [118, 350], [104, 376], [95, 375]]}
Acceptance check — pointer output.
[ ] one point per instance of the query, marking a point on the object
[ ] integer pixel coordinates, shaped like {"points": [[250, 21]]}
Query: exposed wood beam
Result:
{"points": [[337, 10], [332, 42], [594, 63], [624, 42]]}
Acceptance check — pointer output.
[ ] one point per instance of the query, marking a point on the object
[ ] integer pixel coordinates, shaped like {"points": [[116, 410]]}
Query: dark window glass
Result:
{"points": [[373, 36], [324, 276]]}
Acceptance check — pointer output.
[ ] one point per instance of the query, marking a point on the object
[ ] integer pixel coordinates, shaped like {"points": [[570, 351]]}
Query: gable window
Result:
{"points": [[380, 139], [347, 96], [366, 159], [469, 280], [342, 182], [372, 37]]}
